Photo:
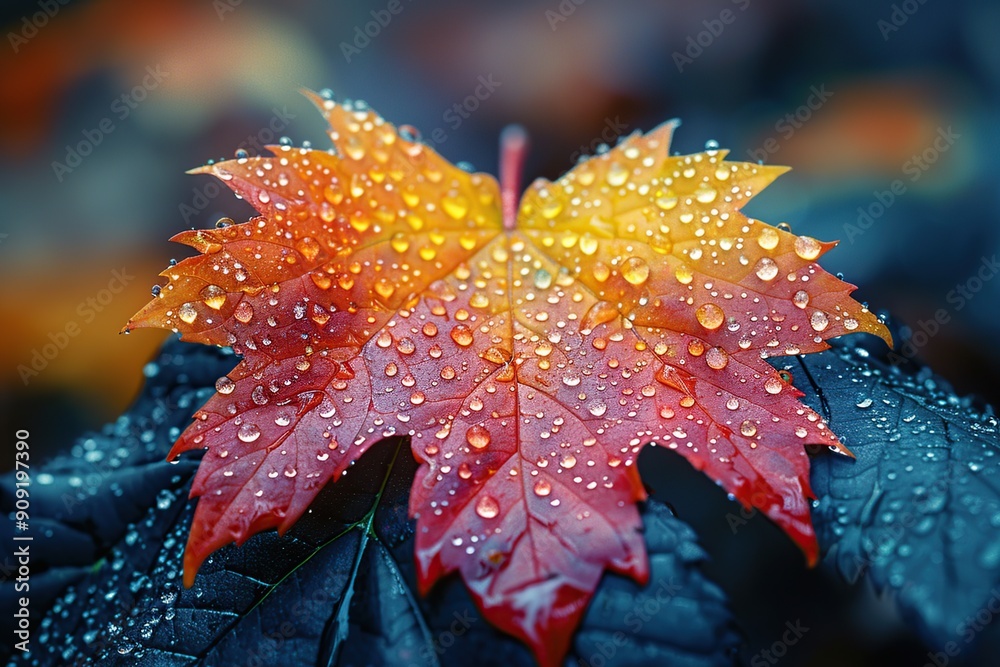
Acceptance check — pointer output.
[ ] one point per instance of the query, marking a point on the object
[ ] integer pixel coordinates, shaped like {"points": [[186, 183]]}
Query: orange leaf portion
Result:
{"points": [[379, 293]]}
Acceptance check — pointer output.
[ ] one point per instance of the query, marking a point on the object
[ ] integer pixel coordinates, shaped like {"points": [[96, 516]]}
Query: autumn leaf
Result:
{"points": [[529, 349]]}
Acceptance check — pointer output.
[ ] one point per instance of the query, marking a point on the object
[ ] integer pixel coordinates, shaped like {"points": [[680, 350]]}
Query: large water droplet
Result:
{"points": [[248, 432], [214, 296], [462, 335], [224, 385], [243, 312], [716, 358], [807, 247], [766, 269], [187, 313], [478, 437], [487, 507], [768, 238], [819, 321], [635, 270], [710, 316]]}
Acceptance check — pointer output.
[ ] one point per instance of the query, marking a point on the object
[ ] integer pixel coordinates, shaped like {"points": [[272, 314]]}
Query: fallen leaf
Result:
{"points": [[528, 350]]}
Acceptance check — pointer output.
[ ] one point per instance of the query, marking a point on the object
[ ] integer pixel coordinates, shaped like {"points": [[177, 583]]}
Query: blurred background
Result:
{"points": [[888, 113]]}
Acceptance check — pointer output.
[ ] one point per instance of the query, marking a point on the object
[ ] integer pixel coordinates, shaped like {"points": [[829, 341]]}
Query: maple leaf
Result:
{"points": [[529, 349]]}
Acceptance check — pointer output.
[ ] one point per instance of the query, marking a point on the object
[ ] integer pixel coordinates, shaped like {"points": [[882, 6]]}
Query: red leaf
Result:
{"points": [[529, 352]]}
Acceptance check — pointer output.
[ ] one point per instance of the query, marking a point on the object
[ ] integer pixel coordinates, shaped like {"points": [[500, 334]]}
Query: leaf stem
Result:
{"points": [[513, 151]]}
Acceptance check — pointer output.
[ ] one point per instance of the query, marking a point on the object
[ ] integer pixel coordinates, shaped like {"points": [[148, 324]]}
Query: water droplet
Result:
{"points": [[543, 488], [455, 206], [801, 299], [214, 296], [696, 347], [635, 270], [601, 272], [807, 247], [766, 269], [684, 275], [478, 437], [462, 335], [716, 358], [705, 194], [597, 408], [667, 201], [710, 316], [243, 312], [600, 313], [733, 404], [819, 321], [487, 507], [568, 461], [850, 324], [187, 313], [543, 279], [773, 385], [768, 238], [748, 428], [224, 385], [308, 247], [617, 175], [258, 396], [248, 432]]}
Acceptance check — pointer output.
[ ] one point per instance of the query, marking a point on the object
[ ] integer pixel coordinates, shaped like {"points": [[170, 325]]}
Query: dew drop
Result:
{"points": [[773, 385], [487, 507], [214, 296], [819, 321], [543, 488], [248, 432], [617, 175], [768, 238], [716, 358], [635, 270], [478, 437], [807, 247], [224, 385], [597, 408], [748, 428], [710, 316], [684, 275], [187, 313], [462, 335], [243, 312], [766, 269]]}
